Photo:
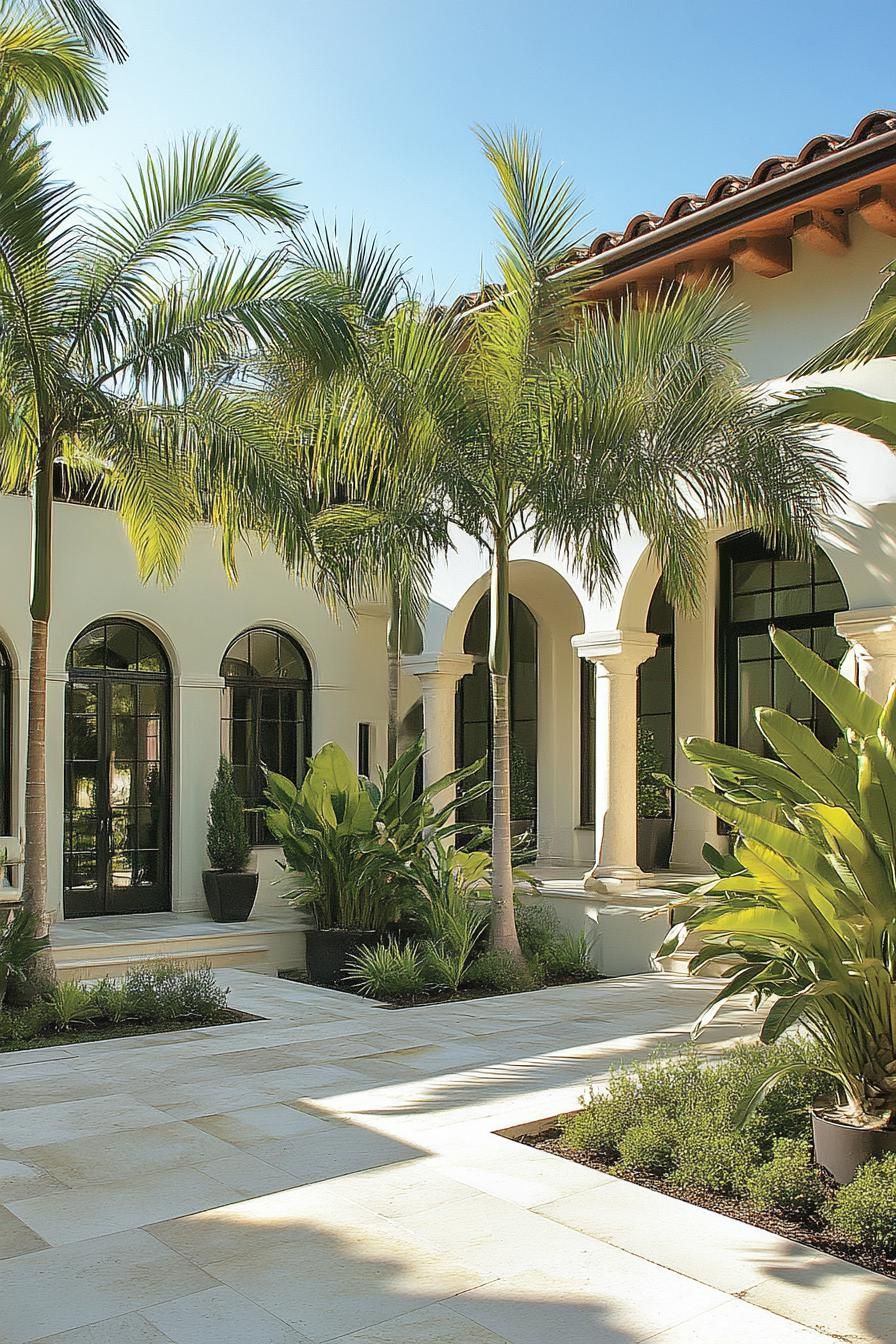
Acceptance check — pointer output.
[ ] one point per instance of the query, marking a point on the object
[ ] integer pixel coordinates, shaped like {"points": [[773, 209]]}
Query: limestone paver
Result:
{"points": [[333, 1172]]}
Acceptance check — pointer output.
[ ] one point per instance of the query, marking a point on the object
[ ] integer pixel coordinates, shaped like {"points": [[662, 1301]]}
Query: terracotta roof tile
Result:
{"points": [[819, 147]]}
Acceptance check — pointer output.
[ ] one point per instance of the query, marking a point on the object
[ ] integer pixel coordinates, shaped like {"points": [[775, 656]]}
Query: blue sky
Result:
{"points": [[370, 103]]}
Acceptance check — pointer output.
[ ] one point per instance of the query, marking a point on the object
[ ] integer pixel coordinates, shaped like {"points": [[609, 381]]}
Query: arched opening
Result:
{"points": [[266, 716], [656, 680], [759, 586], [473, 716], [5, 742], [117, 847]]}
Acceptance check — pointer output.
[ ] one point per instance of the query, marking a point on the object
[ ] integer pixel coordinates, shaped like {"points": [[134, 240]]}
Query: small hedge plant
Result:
{"points": [[788, 1184], [864, 1212], [147, 995]]}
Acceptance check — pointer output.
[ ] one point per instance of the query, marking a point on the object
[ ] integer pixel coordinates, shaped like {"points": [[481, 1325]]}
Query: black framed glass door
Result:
{"points": [[117, 823]]}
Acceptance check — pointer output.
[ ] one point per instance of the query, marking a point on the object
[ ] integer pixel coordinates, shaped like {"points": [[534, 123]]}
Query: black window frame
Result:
{"points": [[6, 685], [256, 686], [749, 547]]}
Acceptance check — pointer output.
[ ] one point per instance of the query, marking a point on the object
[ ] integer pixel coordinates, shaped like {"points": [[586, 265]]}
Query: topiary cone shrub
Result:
{"points": [[228, 836]]}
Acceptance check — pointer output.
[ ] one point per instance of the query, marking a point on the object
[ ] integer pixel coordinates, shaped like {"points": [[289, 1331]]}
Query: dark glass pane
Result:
{"points": [[120, 784], [90, 649], [124, 737], [524, 632], [269, 746], [824, 569], [792, 573], [829, 645], [82, 784], [151, 697], [82, 870], [830, 597], [524, 692], [146, 826], [121, 829], [147, 788], [146, 868], [793, 602], [82, 698], [751, 647], [791, 695], [240, 700], [752, 607], [82, 736], [292, 751], [121, 646], [755, 689], [123, 869], [291, 661], [124, 698], [239, 743], [655, 683], [269, 702], [150, 657], [475, 692], [149, 739], [82, 829], [264, 648], [751, 576]]}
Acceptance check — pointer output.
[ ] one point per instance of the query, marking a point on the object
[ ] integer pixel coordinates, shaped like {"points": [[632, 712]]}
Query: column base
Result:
{"points": [[612, 880]]}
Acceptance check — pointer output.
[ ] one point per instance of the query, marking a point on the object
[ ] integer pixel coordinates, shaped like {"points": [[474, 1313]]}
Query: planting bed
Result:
{"points": [[547, 1138]]}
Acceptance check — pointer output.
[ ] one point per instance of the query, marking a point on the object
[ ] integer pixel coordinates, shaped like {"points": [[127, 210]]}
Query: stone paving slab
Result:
{"points": [[333, 1173]]}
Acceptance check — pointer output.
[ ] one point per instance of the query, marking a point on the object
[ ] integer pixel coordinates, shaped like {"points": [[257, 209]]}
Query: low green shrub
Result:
{"points": [[864, 1212], [789, 1183], [70, 1005], [717, 1158], [164, 992], [650, 1147], [501, 972], [785, 1113], [537, 927], [389, 970], [567, 958], [605, 1116]]}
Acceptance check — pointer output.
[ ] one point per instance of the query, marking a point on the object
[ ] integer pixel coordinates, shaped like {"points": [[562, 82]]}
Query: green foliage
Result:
{"points": [[567, 958], [523, 784], [164, 992], [503, 973], [71, 1004], [20, 943], [789, 1183], [715, 1157], [228, 837], [679, 1112], [389, 970], [651, 1146], [357, 849], [653, 795], [806, 905], [864, 1212], [537, 927]]}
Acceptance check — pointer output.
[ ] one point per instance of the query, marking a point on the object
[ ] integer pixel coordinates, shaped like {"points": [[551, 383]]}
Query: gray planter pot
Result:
{"points": [[842, 1149], [654, 843], [229, 896]]}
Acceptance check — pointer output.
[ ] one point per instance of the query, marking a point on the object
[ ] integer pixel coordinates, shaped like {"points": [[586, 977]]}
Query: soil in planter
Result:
{"points": [[443, 995], [548, 1140], [110, 1031]]}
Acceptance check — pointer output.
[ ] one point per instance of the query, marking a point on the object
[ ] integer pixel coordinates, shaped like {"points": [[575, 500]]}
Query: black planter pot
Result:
{"points": [[842, 1149], [229, 896], [654, 843], [328, 950]]}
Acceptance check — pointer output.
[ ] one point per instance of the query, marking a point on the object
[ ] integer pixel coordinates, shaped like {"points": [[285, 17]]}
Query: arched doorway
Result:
{"points": [[117, 846], [758, 587], [474, 731], [266, 717]]}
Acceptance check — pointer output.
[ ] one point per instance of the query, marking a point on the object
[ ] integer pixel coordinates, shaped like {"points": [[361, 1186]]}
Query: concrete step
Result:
{"points": [[95, 961]]}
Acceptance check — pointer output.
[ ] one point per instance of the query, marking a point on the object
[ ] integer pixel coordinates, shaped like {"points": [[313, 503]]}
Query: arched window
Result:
{"points": [[759, 586], [656, 679], [5, 741], [474, 731], [266, 719], [117, 772]]}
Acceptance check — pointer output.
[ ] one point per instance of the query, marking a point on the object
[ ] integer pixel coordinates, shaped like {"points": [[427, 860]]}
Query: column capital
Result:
{"points": [[874, 628], [618, 652], [439, 666]]}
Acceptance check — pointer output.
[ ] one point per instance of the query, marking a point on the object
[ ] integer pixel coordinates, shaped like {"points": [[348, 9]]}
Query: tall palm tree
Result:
{"points": [[122, 333], [394, 401], [577, 426], [51, 54]]}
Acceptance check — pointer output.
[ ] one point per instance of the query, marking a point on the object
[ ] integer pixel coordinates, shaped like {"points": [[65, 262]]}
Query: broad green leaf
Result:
{"points": [[830, 779], [852, 709]]}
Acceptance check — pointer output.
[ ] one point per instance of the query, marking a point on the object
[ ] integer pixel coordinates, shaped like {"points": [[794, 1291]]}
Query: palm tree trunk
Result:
{"points": [[503, 922], [34, 877], [394, 648]]}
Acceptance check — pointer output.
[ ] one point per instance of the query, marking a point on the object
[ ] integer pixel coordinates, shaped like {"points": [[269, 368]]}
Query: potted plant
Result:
{"points": [[348, 846], [229, 889], [802, 914], [654, 812], [19, 944]]}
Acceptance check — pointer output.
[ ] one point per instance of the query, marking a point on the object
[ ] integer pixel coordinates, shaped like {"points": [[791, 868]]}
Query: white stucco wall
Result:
{"points": [[95, 576]]}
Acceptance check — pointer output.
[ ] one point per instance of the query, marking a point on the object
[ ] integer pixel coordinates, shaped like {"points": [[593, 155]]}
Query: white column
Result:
{"points": [[616, 655], [872, 634], [438, 675]]}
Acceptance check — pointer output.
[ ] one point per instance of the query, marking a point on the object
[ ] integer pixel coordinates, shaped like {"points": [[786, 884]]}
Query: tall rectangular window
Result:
{"points": [[364, 737]]}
